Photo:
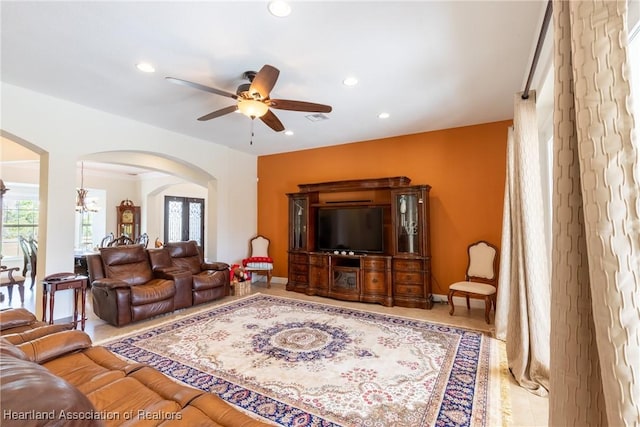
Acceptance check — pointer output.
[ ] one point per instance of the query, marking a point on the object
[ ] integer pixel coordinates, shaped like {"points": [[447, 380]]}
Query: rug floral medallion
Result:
{"points": [[299, 363]]}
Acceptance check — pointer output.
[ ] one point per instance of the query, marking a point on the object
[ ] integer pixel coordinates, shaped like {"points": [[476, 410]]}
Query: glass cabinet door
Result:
{"points": [[407, 224], [298, 215]]}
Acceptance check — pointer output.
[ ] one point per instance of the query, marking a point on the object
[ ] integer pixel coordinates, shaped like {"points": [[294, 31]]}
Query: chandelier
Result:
{"points": [[81, 196]]}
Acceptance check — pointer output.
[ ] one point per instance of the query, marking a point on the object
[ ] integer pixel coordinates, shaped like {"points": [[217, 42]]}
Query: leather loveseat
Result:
{"points": [[125, 289], [60, 378], [210, 280]]}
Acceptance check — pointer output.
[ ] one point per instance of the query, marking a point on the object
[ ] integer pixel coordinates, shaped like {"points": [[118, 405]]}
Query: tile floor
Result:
{"points": [[527, 409]]}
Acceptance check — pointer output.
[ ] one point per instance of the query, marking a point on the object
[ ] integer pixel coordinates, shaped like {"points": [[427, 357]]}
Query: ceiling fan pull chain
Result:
{"points": [[252, 121]]}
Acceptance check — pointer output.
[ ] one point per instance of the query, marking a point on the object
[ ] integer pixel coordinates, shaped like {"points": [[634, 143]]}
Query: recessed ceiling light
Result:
{"points": [[145, 67], [288, 132], [383, 115], [279, 8], [350, 81]]}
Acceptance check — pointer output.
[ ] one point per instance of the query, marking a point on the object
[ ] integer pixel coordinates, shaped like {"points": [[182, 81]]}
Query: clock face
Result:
{"points": [[127, 216]]}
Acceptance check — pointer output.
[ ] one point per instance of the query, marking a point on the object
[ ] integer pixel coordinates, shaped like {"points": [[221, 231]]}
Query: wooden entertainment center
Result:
{"points": [[396, 272]]}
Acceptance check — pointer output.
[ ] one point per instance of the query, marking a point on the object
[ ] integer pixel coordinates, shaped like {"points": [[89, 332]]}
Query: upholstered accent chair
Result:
{"points": [[124, 288], [481, 278], [210, 279], [259, 261]]}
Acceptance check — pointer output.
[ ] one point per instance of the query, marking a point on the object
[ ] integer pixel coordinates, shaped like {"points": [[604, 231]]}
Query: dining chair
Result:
{"points": [[29, 248], [142, 239], [481, 278], [106, 240], [8, 279], [121, 241]]}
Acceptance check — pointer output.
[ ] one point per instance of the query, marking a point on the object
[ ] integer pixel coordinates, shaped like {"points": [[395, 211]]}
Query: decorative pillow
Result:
{"points": [[261, 262]]}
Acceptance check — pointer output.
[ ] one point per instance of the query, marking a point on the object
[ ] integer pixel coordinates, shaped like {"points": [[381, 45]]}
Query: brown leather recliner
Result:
{"points": [[210, 279], [124, 288]]}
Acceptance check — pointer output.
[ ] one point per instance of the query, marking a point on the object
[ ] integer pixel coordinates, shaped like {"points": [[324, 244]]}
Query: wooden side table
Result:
{"points": [[61, 282]]}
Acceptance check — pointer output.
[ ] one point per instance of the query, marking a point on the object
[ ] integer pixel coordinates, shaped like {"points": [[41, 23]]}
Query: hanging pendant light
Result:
{"points": [[81, 196]]}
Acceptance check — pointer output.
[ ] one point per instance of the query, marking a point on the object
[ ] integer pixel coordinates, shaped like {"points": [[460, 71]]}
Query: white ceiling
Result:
{"points": [[430, 65]]}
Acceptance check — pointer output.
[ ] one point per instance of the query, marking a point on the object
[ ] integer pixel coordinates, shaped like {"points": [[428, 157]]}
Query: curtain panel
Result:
{"points": [[595, 304], [522, 309]]}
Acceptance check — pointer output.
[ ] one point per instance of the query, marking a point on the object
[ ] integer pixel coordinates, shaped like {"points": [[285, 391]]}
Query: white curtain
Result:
{"points": [[522, 309], [595, 309]]}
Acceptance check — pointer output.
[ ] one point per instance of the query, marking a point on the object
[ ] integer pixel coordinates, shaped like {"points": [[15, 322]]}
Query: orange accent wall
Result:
{"points": [[464, 166]]}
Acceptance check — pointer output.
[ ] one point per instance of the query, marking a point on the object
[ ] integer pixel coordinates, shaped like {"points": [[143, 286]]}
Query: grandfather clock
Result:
{"points": [[128, 219]]}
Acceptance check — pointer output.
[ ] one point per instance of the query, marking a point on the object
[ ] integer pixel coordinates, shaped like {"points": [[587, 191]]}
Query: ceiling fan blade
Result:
{"points": [[272, 121], [284, 104], [264, 81], [202, 87], [218, 113]]}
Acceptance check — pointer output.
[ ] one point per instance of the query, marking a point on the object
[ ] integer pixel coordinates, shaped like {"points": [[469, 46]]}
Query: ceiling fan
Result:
{"points": [[253, 98]]}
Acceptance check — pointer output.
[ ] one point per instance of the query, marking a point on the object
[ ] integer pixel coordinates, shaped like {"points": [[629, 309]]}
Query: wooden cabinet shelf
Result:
{"points": [[401, 275]]}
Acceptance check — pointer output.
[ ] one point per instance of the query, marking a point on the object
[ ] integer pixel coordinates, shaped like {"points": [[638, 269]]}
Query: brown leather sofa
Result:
{"points": [[125, 289], [210, 280], [59, 378]]}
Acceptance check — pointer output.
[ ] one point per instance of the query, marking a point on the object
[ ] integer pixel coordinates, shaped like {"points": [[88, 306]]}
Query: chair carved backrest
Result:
{"points": [[259, 247], [26, 254], [121, 241], [143, 239], [483, 263], [106, 240], [29, 249]]}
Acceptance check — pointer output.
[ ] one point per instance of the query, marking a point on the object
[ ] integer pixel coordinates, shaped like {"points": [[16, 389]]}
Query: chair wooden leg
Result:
{"points": [[450, 298], [21, 292], [269, 274], [468, 304], [487, 308], [10, 292]]}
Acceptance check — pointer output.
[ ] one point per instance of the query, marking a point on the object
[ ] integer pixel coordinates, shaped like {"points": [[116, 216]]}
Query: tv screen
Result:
{"points": [[357, 229]]}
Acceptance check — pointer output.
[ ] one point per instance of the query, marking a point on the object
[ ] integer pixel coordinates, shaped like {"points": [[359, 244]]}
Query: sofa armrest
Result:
{"points": [[15, 317], [32, 334], [107, 284], [168, 272], [55, 345], [218, 266]]}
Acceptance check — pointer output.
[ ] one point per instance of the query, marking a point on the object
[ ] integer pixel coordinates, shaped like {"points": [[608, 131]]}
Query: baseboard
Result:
{"points": [[459, 301]]}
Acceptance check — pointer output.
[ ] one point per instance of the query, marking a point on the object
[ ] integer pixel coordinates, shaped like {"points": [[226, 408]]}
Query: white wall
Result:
{"points": [[63, 133]]}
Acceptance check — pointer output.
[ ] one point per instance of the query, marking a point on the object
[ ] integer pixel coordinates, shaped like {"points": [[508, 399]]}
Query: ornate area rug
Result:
{"points": [[299, 363]]}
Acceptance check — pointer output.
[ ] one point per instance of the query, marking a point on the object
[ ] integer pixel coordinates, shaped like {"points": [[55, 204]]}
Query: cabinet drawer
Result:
{"points": [[375, 282], [407, 264], [319, 276], [298, 278], [318, 260], [299, 268], [298, 258], [374, 264], [409, 290], [408, 277]]}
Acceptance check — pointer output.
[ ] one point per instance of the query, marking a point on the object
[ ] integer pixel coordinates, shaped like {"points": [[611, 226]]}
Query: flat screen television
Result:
{"points": [[359, 229]]}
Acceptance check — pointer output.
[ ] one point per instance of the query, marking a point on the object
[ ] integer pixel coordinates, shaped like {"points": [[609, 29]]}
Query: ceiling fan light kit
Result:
{"points": [[252, 99], [252, 108]]}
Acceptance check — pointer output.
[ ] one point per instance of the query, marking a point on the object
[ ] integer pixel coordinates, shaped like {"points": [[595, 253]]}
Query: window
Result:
{"points": [[19, 217]]}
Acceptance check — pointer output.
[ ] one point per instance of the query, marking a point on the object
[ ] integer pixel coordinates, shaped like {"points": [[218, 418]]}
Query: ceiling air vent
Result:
{"points": [[317, 117]]}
